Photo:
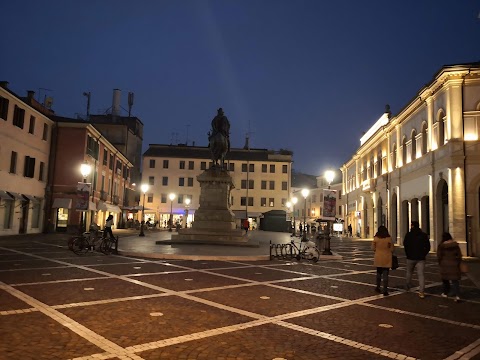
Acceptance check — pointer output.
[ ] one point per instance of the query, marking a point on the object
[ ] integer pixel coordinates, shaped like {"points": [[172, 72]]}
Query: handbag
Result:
{"points": [[463, 267], [394, 262]]}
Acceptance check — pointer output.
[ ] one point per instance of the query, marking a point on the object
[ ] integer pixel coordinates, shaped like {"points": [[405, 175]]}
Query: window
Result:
{"points": [[152, 164], [29, 168], [263, 202], [165, 164], [31, 126], [243, 201], [103, 183], [232, 167], [150, 198], [264, 185], [284, 185], [284, 202], [340, 211], [284, 169], [40, 173], [151, 180], [35, 214], [243, 184], [163, 198], [314, 198], [271, 202], [110, 164], [165, 181], [13, 163], [404, 151], [45, 132], [9, 206], [191, 165], [272, 185], [180, 199], [119, 166], [394, 157], [190, 182], [203, 165], [92, 147], [264, 168], [182, 165], [181, 181], [244, 167], [105, 157], [250, 184], [414, 145], [3, 108], [251, 167], [272, 169], [18, 117]]}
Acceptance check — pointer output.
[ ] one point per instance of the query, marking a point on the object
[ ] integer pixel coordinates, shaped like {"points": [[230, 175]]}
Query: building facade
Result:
{"points": [[76, 143], [261, 179], [422, 164], [25, 135]]}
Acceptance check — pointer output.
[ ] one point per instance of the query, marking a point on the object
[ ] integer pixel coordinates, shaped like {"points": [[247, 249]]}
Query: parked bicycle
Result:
{"points": [[80, 245], [305, 250]]}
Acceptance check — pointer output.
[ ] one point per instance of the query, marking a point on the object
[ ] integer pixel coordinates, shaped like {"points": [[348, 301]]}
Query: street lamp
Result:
{"points": [[294, 201], [187, 204], [171, 197], [305, 193], [144, 188], [85, 170], [329, 176]]}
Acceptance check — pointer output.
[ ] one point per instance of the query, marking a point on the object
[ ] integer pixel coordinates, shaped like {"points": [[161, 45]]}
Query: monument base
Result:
{"points": [[233, 237]]}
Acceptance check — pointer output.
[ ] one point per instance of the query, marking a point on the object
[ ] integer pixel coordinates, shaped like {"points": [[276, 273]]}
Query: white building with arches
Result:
{"points": [[422, 164]]}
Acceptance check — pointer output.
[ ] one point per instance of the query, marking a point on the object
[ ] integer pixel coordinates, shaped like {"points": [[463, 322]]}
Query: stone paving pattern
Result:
{"points": [[56, 305]]}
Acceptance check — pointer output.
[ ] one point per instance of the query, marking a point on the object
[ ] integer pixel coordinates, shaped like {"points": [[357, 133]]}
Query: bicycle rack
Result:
{"points": [[282, 251]]}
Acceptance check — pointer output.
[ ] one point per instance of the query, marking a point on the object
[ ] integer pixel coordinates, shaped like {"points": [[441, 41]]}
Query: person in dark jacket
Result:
{"points": [[417, 246], [449, 258]]}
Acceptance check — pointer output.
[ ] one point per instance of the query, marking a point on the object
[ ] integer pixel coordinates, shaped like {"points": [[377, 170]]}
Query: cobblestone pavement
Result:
{"points": [[56, 305]]}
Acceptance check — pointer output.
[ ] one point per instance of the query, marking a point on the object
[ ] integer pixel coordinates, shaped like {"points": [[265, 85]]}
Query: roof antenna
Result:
{"points": [[88, 95]]}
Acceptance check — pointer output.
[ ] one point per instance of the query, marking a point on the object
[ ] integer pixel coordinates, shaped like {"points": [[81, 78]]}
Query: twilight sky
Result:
{"points": [[304, 75]]}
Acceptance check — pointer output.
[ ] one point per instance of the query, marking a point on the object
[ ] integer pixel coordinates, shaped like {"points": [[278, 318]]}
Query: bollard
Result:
{"points": [[116, 245]]}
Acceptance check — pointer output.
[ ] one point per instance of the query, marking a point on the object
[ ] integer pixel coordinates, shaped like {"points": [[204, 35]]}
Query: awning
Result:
{"points": [[4, 195], [30, 198], [240, 214], [134, 208], [103, 206], [92, 206], [15, 195], [62, 203]]}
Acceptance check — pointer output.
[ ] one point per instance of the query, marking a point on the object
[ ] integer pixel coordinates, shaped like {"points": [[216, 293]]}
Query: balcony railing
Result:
{"points": [[369, 185]]}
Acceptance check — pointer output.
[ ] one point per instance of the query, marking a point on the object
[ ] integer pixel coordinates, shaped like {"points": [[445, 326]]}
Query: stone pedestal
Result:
{"points": [[214, 221]]}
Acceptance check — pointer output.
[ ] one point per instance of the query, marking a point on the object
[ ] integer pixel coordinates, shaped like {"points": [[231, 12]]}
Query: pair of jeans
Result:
{"points": [[455, 285], [420, 265], [382, 272]]}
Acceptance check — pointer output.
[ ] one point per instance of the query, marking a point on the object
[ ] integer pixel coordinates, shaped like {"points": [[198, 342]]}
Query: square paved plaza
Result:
{"points": [[56, 305]]}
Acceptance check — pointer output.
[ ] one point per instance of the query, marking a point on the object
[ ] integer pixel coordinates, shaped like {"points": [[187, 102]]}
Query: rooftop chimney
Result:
{"points": [[117, 93], [4, 84], [30, 94]]}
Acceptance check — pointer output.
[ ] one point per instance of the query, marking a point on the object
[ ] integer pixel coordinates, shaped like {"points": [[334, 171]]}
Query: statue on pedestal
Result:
{"points": [[219, 139]]}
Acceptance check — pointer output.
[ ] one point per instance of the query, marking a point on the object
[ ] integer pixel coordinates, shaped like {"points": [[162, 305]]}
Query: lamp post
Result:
{"points": [[329, 176], [144, 188], [187, 205], [305, 193], [85, 170], [171, 197], [294, 201]]}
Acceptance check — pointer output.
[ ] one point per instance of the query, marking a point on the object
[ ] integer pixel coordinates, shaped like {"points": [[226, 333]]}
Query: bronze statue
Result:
{"points": [[219, 138]]}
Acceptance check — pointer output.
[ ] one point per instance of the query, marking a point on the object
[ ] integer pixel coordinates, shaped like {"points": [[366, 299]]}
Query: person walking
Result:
{"points": [[108, 227], [449, 258], [383, 247], [417, 247], [350, 232], [246, 225]]}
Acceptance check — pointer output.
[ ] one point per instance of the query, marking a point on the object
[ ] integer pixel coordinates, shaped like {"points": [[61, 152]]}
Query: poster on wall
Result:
{"points": [[83, 194], [329, 204]]}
